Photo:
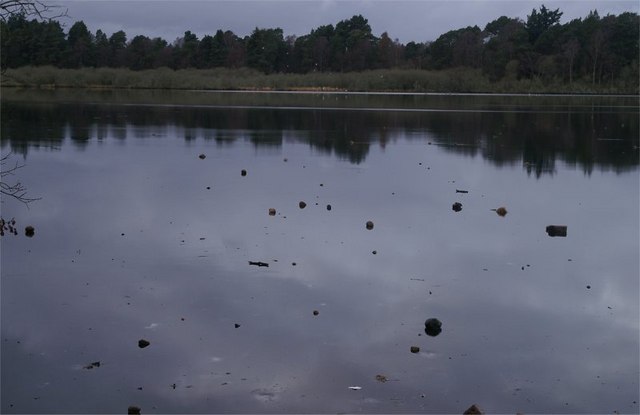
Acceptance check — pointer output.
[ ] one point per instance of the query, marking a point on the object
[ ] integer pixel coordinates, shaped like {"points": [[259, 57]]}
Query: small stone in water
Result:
{"points": [[457, 207], [316, 312], [328, 207], [473, 410], [272, 212], [302, 205], [501, 211], [243, 172], [369, 225], [142, 343], [29, 231], [415, 349], [202, 156]]}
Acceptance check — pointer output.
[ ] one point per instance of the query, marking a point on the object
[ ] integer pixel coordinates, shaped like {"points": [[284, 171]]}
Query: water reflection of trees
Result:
{"points": [[589, 137]]}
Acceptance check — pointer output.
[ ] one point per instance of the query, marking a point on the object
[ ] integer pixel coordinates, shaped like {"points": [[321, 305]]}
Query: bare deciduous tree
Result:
{"points": [[17, 189], [38, 9]]}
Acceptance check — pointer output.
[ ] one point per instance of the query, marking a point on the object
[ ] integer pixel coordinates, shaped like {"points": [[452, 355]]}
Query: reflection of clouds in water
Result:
{"points": [[504, 325]]}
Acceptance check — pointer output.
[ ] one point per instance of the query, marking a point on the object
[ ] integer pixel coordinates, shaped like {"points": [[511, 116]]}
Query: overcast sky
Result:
{"points": [[406, 20]]}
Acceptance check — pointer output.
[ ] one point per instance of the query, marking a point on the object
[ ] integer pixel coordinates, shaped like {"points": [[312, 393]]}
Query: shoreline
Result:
{"points": [[460, 81]]}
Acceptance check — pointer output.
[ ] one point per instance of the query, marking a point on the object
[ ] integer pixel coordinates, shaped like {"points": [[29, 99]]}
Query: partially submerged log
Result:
{"points": [[258, 263]]}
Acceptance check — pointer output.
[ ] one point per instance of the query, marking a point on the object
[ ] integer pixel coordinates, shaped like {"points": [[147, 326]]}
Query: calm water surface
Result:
{"points": [[136, 237]]}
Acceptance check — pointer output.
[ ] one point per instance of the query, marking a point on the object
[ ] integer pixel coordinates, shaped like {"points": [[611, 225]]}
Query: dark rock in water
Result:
{"points": [[328, 207], [236, 325], [243, 172], [133, 410], [202, 156], [457, 207], [473, 410], [557, 230], [415, 349], [316, 312], [433, 327], [501, 211], [369, 225], [374, 252], [302, 205], [29, 231], [272, 212], [142, 343]]}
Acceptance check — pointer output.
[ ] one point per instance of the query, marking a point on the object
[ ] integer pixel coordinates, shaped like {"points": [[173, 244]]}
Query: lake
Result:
{"points": [[160, 211]]}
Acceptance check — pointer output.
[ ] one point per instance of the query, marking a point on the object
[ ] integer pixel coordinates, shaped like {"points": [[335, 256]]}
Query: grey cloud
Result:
{"points": [[405, 20]]}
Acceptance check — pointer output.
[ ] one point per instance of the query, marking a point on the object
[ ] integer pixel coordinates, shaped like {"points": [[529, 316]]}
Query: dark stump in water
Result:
{"points": [[556, 230]]}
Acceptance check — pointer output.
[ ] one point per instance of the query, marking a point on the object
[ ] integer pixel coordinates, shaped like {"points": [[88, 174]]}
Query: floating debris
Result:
{"points": [[92, 365], [202, 156], [29, 231], [433, 327], [381, 378], [302, 205], [243, 172], [461, 191], [501, 211], [457, 207], [236, 325], [415, 349], [272, 212], [557, 230], [374, 252], [316, 312], [142, 343], [355, 388], [9, 226], [258, 263], [133, 410], [473, 410], [328, 207], [369, 225]]}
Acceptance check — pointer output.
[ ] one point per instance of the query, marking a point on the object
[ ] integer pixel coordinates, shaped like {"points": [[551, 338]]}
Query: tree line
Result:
{"points": [[594, 49]]}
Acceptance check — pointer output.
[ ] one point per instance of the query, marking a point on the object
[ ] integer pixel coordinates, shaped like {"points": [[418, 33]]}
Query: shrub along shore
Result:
{"points": [[457, 80]]}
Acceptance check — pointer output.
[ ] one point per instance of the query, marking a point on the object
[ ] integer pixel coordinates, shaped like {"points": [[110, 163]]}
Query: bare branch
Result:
{"points": [[38, 9], [17, 189]]}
